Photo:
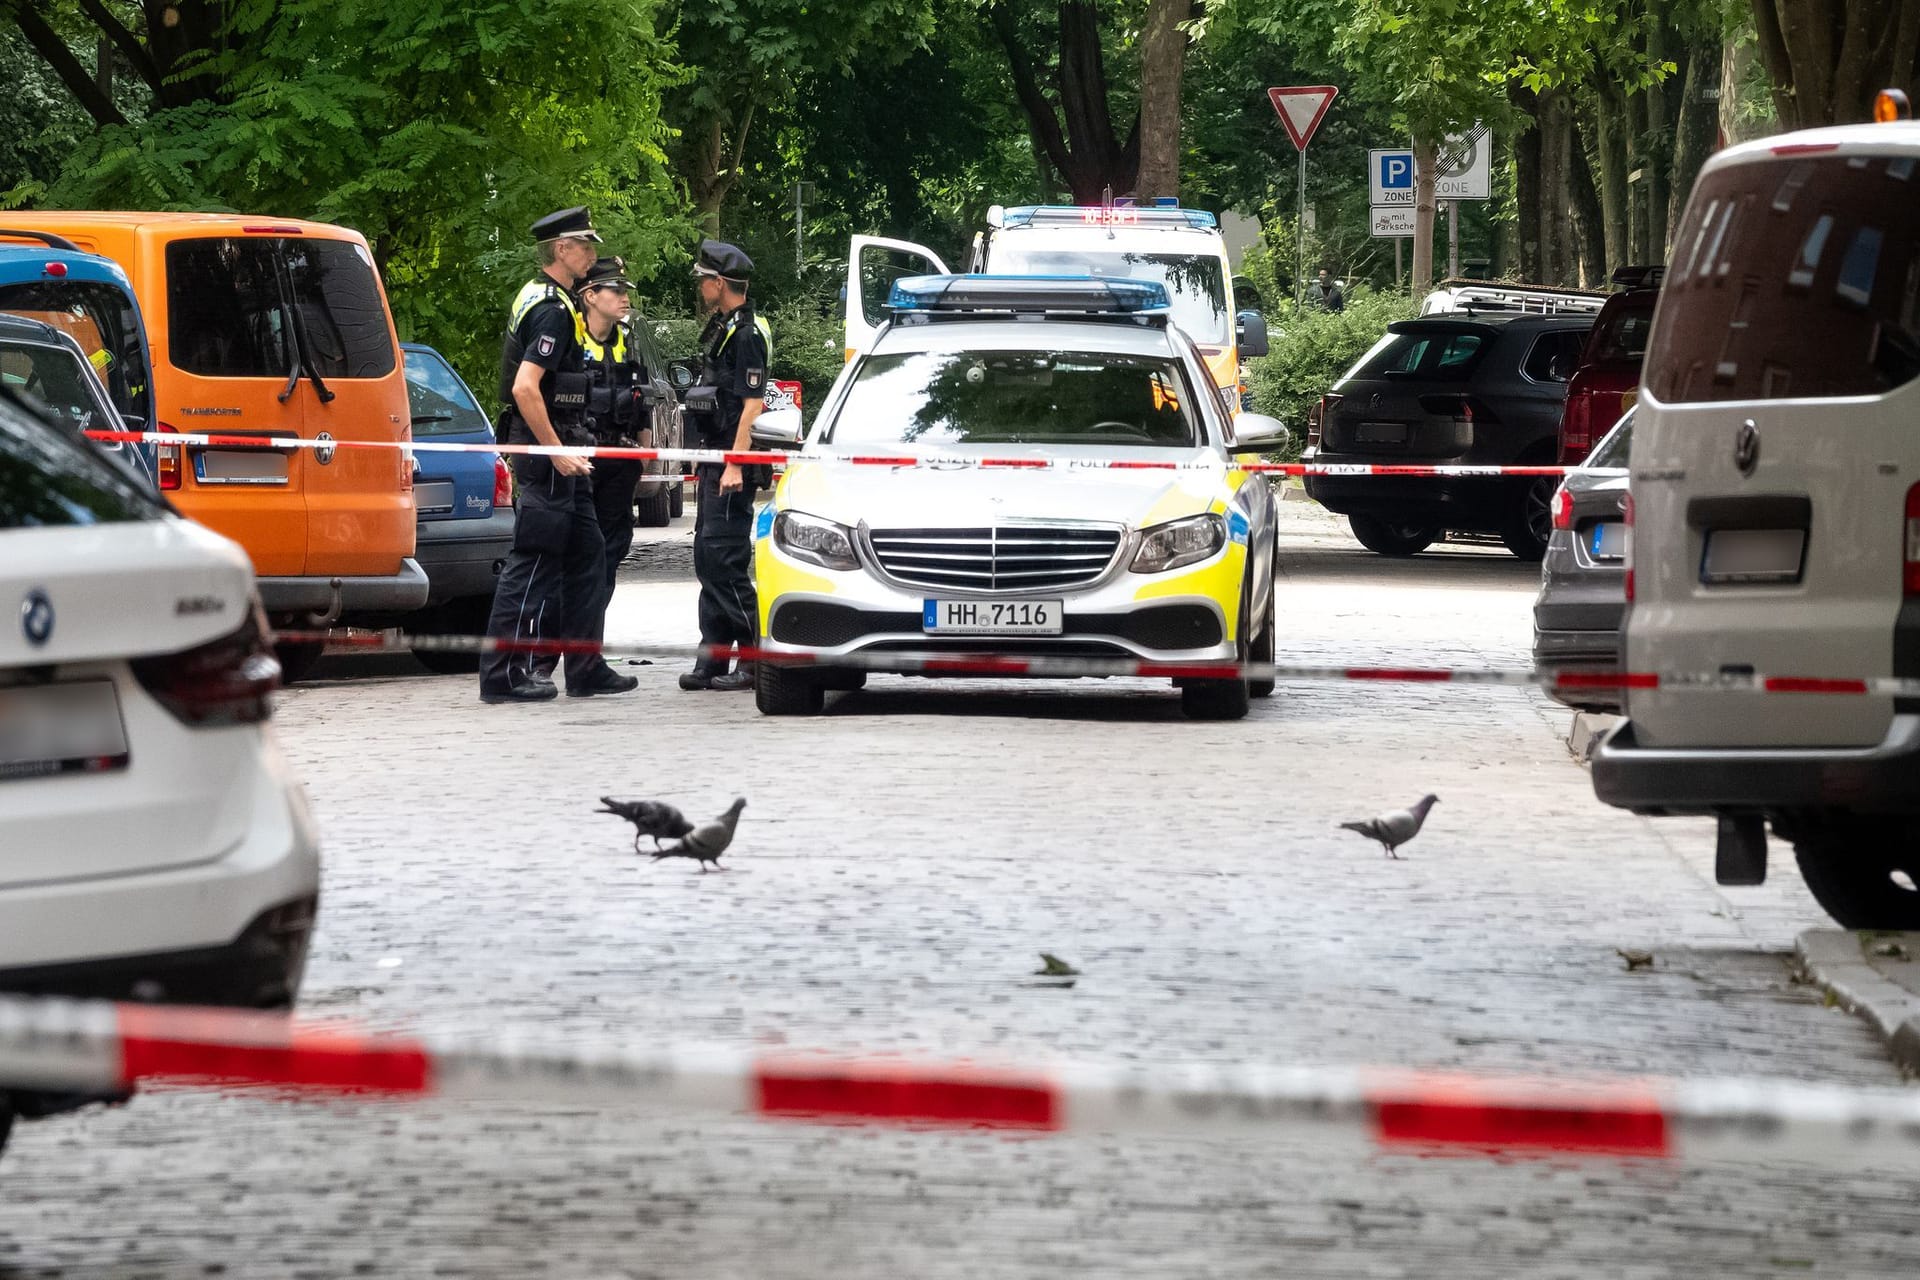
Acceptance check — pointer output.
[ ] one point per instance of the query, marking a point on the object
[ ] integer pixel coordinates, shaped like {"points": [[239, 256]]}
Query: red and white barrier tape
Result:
{"points": [[932, 663], [91, 1046], [941, 462]]}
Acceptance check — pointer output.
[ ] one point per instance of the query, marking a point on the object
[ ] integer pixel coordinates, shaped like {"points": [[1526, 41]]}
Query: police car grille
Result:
{"points": [[1022, 558]]}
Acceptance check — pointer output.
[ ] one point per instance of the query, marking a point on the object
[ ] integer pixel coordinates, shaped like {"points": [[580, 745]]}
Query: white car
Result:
{"points": [[1064, 559], [1775, 512], [153, 845]]}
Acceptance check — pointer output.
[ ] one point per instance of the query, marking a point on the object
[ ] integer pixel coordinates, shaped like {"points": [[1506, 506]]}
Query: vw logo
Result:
{"points": [[1746, 448], [324, 453], [36, 617]]}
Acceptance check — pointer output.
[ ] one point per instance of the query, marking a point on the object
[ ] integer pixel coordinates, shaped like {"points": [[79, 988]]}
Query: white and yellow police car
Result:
{"points": [[1059, 553]]}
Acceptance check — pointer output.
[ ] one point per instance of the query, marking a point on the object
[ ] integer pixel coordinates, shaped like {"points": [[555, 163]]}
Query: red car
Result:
{"points": [[1608, 379]]}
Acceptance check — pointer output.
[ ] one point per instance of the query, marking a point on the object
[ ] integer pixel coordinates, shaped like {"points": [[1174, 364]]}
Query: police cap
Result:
{"points": [[606, 273], [728, 261], [575, 223]]}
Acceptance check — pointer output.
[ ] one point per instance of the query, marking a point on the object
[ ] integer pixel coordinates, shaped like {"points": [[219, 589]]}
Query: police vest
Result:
{"points": [[535, 291], [760, 323]]}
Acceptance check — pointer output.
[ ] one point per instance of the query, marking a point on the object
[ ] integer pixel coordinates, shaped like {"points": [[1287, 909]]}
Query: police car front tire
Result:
{"points": [[787, 691]]}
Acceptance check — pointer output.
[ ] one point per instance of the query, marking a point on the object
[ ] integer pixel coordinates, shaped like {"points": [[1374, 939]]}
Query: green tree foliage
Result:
{"points": [[438, 128]]}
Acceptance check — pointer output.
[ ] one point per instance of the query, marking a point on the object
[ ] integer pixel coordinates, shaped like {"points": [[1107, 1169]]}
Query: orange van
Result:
{"points": [[274, 327]]}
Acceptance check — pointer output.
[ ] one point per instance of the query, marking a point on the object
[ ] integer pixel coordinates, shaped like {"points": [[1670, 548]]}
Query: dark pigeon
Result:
{"points": [[649, 818], [706, 842]]}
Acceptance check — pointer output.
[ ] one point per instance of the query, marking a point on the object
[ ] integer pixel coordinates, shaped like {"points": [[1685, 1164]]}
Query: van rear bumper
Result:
{"points": [[1884, 778], [404, 590]]}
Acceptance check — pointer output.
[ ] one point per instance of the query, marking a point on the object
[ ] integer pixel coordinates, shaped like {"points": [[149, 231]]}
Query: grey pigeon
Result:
{"points": [[649, 818], [1394, 829], [706, 842]]}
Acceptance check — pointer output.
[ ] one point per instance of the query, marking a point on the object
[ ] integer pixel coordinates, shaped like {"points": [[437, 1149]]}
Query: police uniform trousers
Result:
{"points": [[553, 585], [615, 481], [723, 561]]}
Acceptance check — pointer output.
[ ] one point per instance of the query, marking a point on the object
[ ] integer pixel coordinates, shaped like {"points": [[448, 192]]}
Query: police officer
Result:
{"points": [[730, 395], [552, 584], [617, 413]]}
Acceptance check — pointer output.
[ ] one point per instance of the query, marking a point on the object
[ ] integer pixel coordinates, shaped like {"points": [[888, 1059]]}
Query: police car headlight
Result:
{"points": [[1180, 542], [814, 540]]}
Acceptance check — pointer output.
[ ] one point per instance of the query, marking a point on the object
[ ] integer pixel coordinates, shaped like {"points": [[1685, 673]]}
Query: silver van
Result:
{"points": [[1775, 520]]}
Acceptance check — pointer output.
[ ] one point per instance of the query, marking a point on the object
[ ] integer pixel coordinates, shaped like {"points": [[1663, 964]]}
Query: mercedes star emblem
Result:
{"points": [[36, 617], [1746, 447]]}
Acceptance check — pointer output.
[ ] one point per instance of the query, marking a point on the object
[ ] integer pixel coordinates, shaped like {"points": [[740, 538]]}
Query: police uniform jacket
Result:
{"points": [[737, 354], [545, 327]]}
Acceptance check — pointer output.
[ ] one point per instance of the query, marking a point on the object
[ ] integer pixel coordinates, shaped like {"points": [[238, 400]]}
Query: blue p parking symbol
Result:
{"points": [[1396, 171]]}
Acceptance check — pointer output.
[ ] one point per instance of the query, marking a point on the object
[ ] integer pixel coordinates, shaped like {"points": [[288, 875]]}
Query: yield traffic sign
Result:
{"points": [[1301, 109]]}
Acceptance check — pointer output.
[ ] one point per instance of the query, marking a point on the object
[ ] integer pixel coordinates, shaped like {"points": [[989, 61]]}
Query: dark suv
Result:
{"points": [[1455, 389]]}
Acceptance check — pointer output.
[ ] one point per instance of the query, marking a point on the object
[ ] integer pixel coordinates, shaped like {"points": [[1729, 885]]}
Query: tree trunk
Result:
{"points": [[1736, 56], [1695, 128], [1827, 58], [1425, 154], [1610, 150], [1163, 55], [1586, 212], [716, 167], [1662, 109], [1085, 153], [1637, 178], [1526, 187]]}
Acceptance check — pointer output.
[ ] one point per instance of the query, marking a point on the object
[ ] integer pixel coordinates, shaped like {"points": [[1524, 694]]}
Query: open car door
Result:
{"points": [[873, 264]]}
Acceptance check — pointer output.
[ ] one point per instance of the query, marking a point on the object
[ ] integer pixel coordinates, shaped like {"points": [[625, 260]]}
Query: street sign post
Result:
{"points": [[1301, 108], [1390, 177]]}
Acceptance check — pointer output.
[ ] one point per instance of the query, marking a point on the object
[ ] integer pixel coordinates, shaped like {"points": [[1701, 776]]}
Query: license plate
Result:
{"points": [[60, 728], [1753, 555], [433, 496], [1381, 433], [1609, 541], [240, 466], [993, 617]]}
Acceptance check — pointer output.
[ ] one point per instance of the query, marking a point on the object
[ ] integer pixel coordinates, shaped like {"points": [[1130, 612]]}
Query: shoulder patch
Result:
{"points": [[755, 377], [545, 345]]}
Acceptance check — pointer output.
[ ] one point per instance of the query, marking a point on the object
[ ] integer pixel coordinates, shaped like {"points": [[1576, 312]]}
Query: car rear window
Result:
{"points": [[1797, 277], [48, 478], [1621, 338], [1435, 353], [1554, 355], [442, 405], [53, 380], [243, 308], [1016, 397], [101, 318]]}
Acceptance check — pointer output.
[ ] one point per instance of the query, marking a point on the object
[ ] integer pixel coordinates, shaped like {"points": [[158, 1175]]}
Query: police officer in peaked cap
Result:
{"points": [[721, 408], [551, 587], [618, 409]]}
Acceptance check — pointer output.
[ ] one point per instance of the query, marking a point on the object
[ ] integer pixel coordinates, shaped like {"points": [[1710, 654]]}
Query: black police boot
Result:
{"points": [[734, 681], [603, 680], [520, 687]]}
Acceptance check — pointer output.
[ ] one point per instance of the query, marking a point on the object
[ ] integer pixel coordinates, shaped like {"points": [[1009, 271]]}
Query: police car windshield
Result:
{"points": [[1016, 397], [1194, 281]]}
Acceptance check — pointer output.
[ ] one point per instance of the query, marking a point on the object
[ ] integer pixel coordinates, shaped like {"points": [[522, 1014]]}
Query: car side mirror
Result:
{"points": [[681, 373], [1250, 331], [777, 429], [1258, 433]]}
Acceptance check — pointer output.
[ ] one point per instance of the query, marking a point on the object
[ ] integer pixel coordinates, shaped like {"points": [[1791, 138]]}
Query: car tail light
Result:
{"points": [[171, 461], [1576, 428], [502, 483], [1562, 508], [1626, 514], [1317, 417], [1911, 574], [223, 682]]}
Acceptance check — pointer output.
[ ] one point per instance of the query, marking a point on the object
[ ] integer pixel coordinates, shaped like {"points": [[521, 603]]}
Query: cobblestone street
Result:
{"points": [[903, 860]]}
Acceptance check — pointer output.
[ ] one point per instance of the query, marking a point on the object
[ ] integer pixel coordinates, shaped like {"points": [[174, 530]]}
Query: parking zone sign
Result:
{"points": [[1390, 177]]}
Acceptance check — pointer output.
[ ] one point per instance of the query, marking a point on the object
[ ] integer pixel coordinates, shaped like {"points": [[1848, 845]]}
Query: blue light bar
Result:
{"points": [[1027, 295], [1115, 217]]}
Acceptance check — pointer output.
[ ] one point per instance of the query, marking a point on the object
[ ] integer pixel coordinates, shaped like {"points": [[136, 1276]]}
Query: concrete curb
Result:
{"points": [[1836, 959]]}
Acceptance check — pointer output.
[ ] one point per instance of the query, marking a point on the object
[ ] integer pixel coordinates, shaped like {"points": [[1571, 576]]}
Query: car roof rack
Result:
{"points": [[1485, 297], [46, 238], [1107, 216], [973, 297]]}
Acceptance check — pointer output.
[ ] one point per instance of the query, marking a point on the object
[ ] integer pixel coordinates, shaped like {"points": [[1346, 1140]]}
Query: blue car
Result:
{"points": [[88, 298], [464, 503]]}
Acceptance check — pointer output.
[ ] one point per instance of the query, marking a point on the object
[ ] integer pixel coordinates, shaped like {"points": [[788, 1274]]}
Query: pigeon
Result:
{"points": [[649, 818], [1635, 959], [1394, 829], [706, 842], [1055, 967]]}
